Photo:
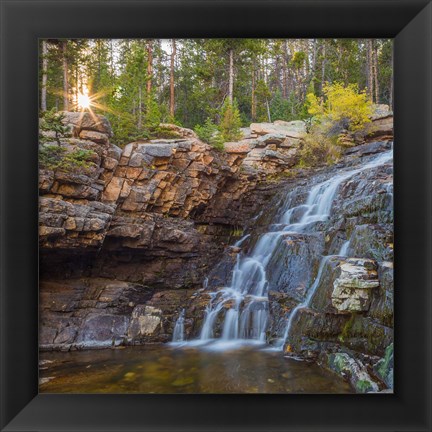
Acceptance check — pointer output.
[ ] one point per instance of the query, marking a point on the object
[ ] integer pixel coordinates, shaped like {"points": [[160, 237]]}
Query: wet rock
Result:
{"points": [[353, 370], [352, 289], [372, 241], [384, 367], [369, 148], [294, 263], [382, 303], [102, 330], [364, 335], [145, 321]]}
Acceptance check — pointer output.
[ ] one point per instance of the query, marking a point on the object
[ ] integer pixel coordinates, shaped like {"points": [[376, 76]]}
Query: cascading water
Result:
{"points": [[245, 301], [344, 249], [178, 334]]}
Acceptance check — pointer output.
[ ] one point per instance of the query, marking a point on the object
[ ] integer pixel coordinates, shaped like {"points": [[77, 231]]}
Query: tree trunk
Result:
{"points": [[172, 95], [231, 75], [253, 101], [268, 110], [313, 66], [65, 77], [323, 66], [44, 75], [369, 69], [285, 71], [76, 83], [139, 122], [149, 66], [375, 63]]}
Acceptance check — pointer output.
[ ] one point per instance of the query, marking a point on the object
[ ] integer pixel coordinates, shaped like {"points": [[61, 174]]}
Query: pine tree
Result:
{"points": [[52, 121], [230, 122]]}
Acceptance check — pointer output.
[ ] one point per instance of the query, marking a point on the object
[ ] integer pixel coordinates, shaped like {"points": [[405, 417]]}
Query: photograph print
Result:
{"points": [[216, 216]]}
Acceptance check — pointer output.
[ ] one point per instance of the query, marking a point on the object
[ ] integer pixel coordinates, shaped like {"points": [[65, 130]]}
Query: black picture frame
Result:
{"points": [[23, 22]]}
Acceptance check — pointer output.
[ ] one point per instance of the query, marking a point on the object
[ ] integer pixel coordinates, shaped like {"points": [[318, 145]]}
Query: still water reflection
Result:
{"points": [[165, 369]]}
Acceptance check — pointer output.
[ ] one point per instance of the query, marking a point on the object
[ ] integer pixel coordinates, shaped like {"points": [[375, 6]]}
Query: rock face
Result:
{"points": [[127, 240], [347, 323], [352, 289], [154, 214]]}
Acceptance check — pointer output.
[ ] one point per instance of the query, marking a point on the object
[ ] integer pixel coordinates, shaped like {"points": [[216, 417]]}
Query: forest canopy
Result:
{"points": [[140, 83]]}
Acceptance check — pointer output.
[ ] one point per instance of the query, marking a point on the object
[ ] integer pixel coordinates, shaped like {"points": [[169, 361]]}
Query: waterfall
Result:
{"points": [[344, 249], [243, 305], [178, 334]]}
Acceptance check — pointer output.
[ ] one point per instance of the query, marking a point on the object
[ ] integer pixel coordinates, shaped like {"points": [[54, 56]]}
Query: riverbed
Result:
{"points": [[174, 369]]}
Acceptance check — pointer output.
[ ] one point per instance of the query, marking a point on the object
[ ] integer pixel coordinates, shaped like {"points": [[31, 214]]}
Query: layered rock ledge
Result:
{"points": [[127, 240]]}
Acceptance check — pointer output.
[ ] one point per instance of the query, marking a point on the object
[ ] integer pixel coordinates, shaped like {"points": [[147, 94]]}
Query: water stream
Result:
{"points": [[178, 334], [243, 304]]}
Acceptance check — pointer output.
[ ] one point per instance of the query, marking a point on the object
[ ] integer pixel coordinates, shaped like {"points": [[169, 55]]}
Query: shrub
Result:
{"points": [[317, 149], [55, 157], [50, 156], [52, 121], [209, 133], [342, 111], [153, 116], [230, 122], [342, 107]]}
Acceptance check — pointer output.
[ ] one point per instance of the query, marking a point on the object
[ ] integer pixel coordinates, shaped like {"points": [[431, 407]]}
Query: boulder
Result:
{"points": [[239, 147], [294, 129], [381, 129], [97, 137], [384, 367], [145, 321], [180, 131], [352, 289], [102, 330], [381, 111], [87, 121], [350, 368]]}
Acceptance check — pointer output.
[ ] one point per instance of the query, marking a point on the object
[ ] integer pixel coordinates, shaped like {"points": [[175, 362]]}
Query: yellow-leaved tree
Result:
{"points": [[342, 111], [341, 104]]}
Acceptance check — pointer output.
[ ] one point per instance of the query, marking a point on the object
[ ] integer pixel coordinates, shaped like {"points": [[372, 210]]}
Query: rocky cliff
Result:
{"points": [[127, 238], [334, 276], [152, 217]]}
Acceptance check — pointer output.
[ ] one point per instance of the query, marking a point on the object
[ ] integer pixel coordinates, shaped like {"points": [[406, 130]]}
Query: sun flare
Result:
{"points": [[84, 101]]}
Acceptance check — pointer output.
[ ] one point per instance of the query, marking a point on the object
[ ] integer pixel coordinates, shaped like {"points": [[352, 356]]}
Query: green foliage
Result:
{"points": [[227, 130], [230, 123], [152, 115], [55, 157], [383, 364], [124, 127], [341, 104], [286, 109], [363, 386], [50, 156], [207, 132], [385, 72], [317, 149], [52, 121], [343, 110], [272, 78], [298, 59]]}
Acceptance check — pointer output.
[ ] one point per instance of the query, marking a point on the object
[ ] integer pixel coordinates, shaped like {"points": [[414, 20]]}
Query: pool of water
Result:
{"points": [[170, 369]]}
